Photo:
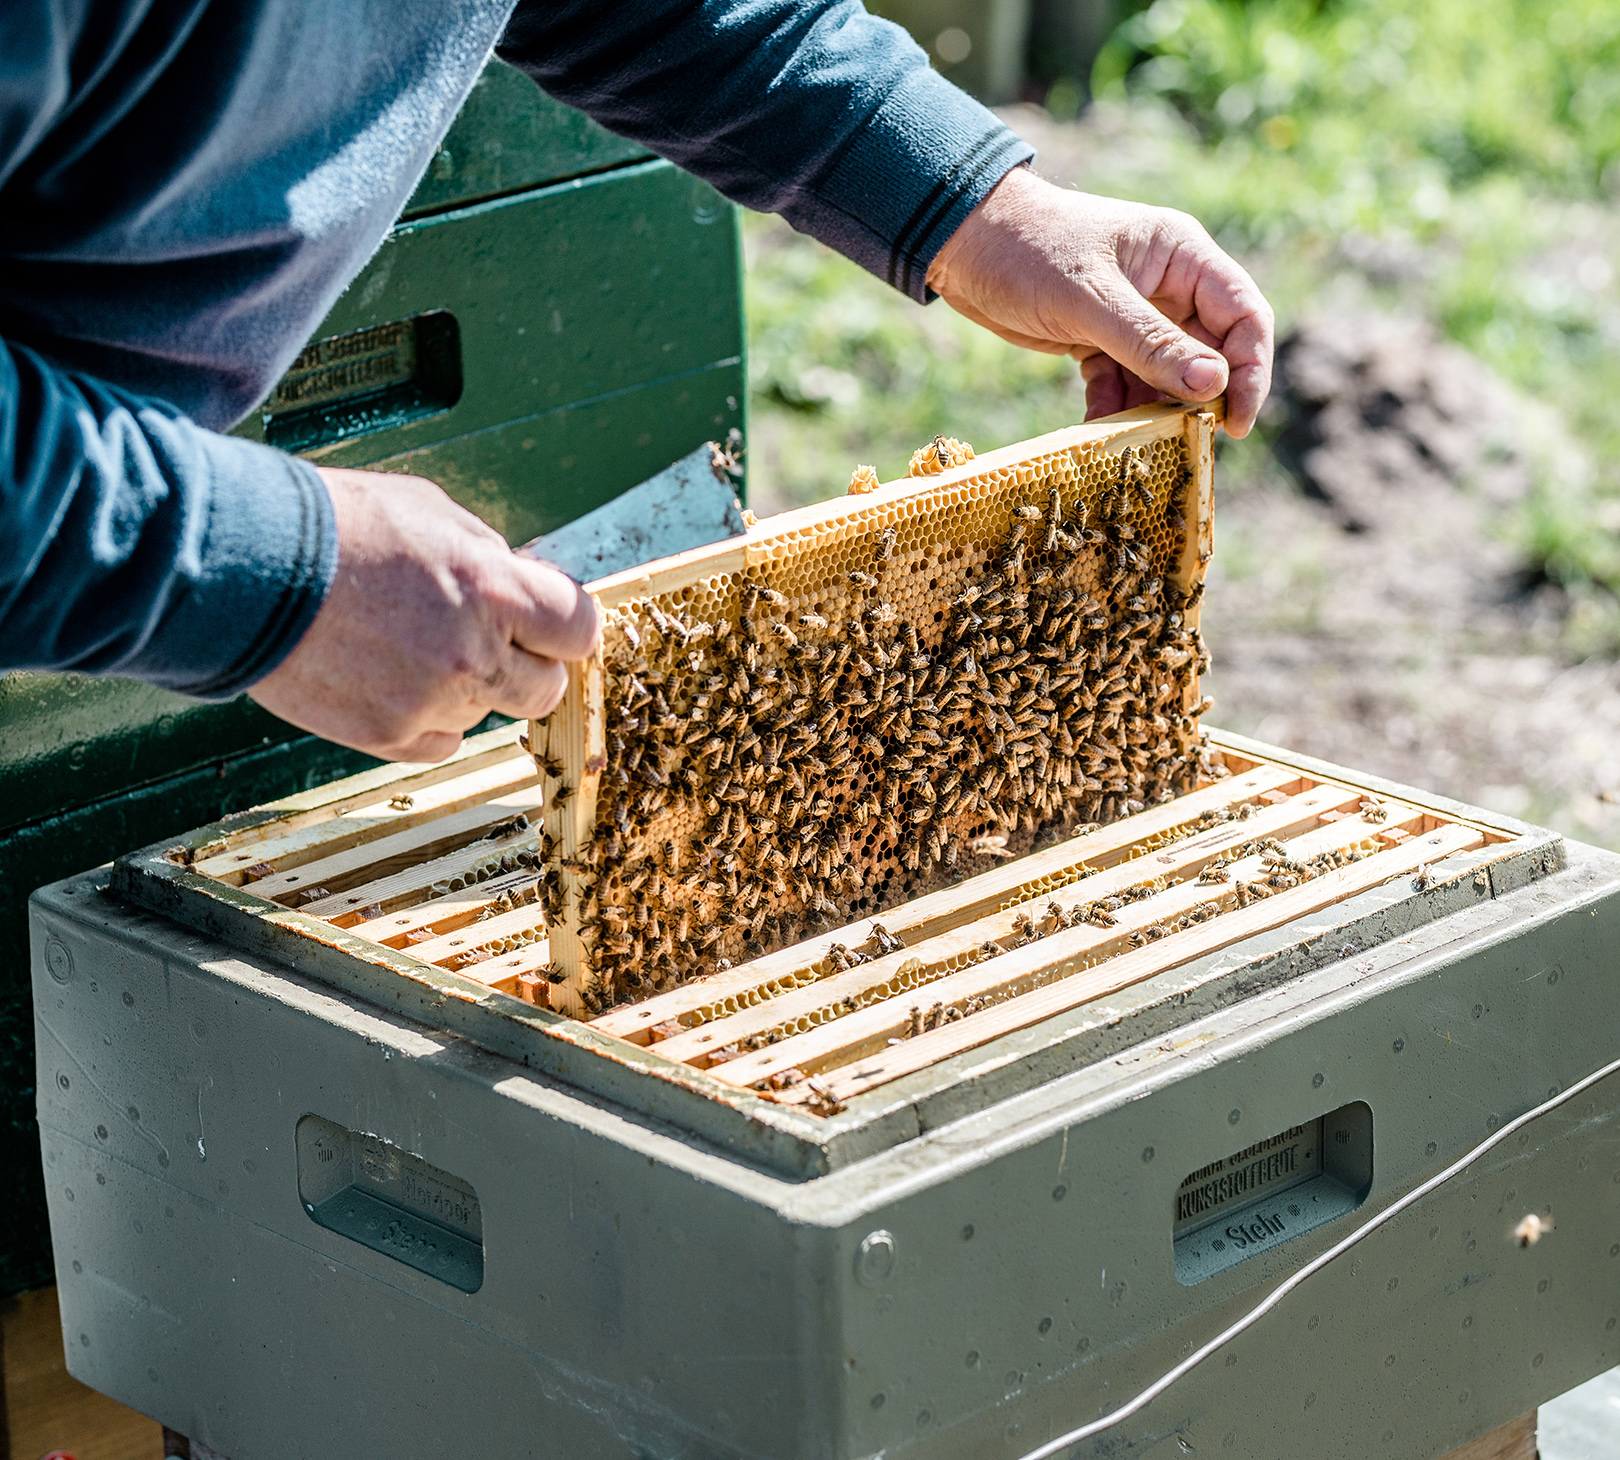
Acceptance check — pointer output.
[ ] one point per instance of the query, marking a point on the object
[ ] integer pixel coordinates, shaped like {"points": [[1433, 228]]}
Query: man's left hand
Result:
{"points": [[1142, 297]]}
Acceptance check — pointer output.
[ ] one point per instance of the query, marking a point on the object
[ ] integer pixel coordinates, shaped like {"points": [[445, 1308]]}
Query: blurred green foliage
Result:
{"points": [[1460, 158], [1415, 91], [845, 370], [1472, 147]]}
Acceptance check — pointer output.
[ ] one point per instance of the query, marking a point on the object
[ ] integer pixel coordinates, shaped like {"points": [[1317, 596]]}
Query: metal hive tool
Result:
{"points": [[856, 704]]}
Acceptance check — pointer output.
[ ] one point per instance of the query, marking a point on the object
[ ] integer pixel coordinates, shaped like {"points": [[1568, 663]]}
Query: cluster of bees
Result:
{"points": [[524, 854], [1280, 873], [784, 766]]}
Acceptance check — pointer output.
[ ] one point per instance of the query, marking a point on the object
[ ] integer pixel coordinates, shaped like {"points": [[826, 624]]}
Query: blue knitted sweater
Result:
{"points": [[187, 185]]}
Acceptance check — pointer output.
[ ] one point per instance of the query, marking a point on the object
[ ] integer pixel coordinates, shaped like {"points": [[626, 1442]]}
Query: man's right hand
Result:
{"points": [[431, 623]]}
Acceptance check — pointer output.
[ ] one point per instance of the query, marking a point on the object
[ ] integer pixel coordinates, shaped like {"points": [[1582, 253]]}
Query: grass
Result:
{"points": [[1477, 139], [845, 370], [1462, 157]]}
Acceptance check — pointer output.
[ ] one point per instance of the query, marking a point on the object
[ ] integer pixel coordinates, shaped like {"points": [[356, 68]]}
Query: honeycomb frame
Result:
{"points": [[952, 673]]}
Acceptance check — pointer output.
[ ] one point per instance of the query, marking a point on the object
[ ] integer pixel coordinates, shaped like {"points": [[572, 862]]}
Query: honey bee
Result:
{"points": [[785, 634], [812, 621], [886, 544], [884, 940], [1054, 519], [1098, 914], [863, 580]]}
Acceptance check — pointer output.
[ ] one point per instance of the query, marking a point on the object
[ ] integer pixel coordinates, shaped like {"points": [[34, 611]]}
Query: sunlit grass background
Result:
{"points": [[1460, 159]]}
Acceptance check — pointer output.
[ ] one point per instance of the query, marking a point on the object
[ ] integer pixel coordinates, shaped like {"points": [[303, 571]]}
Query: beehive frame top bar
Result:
{"points": [[864, 700], [968, 1065], [777, 537]]}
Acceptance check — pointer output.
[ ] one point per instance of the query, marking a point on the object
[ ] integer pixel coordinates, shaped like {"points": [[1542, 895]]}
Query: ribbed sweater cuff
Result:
{"points": [[266, 557], [905, 181]]}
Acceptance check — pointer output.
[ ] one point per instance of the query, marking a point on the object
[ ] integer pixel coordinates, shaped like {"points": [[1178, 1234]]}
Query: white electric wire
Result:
{"points": [[1316, 1264]]}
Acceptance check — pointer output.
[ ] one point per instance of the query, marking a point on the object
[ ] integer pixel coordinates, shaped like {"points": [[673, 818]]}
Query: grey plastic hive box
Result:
{"points": [[548, 1273]]}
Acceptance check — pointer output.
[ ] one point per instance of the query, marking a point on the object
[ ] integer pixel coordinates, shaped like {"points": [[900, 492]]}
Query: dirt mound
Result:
{"points": [[1367, 602], [1376, 412]]}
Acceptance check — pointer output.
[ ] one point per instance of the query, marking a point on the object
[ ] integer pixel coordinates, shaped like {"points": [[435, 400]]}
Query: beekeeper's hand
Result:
{"points": [[1140, 296], [431, 623]]}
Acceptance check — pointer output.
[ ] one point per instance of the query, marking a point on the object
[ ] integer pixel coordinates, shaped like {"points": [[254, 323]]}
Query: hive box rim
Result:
{"points": [[748, 1125]]}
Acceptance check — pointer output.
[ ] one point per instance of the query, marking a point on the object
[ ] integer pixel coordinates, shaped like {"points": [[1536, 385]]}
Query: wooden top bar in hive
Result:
{"points": [[861, 702], [414, 888]]}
